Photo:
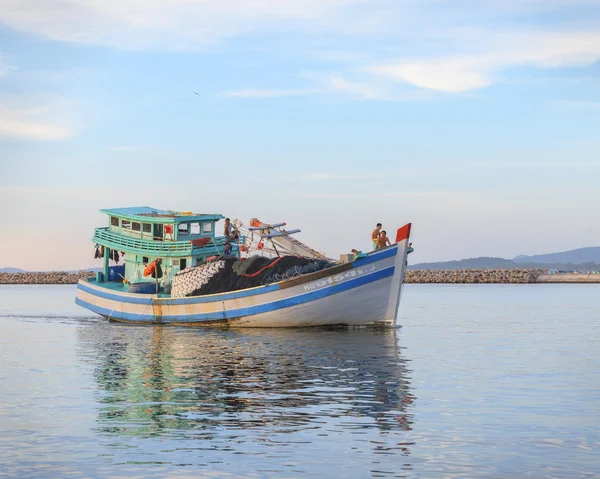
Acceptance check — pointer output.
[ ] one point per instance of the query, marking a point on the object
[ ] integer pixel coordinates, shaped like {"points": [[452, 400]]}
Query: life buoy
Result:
{"points": [[150, 268]]}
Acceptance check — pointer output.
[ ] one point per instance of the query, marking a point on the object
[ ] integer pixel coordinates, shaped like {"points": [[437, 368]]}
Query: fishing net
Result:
{"points": [[232, 275], [252, 264]]}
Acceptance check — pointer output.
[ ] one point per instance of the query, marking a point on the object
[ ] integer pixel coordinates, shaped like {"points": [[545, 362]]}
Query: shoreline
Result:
{"points": [[462, 276]]}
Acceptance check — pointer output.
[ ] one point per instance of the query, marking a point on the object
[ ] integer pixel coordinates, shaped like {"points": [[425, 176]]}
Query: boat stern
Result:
{"points": [[112, 301]]}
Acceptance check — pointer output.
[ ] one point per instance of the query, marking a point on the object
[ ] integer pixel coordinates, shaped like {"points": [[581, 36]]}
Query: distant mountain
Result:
{"points": [[471, 263], [11, 270], [576, 256], [583, 259]]}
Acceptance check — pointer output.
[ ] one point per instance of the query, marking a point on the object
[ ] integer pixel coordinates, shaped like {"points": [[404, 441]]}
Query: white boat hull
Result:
{"points": [[364, 292]]}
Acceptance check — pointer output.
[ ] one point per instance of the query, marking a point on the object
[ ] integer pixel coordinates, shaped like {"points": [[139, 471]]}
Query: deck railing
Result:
{"points": [[140, 246]]}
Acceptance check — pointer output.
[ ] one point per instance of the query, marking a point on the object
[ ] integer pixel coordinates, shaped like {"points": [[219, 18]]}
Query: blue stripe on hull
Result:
{"points": [[104, 293], [241, 312], [147, 299]]}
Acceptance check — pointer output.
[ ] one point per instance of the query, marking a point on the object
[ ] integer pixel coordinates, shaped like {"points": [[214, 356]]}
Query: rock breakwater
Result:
{"points": [[45, 277], [473, 276], [470, 276]]}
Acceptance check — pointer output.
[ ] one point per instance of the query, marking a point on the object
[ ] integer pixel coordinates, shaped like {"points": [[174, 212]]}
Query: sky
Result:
{"points": [[476, 120]]}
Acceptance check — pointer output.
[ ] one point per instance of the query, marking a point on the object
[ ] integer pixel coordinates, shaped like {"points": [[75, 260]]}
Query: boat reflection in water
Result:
{"points": [[242, 390]]}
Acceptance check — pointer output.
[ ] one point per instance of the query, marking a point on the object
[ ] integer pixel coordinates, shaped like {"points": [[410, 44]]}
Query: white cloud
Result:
{"points": [[161, 24], [31, 124], [190, 24], [450, 76], [419, 29], [360, 89], [465, 72], [328, 84]]}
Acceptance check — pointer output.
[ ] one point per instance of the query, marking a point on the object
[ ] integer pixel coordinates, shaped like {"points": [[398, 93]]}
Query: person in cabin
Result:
{"points": [[383, 240], [375, 235], [231, 231]]}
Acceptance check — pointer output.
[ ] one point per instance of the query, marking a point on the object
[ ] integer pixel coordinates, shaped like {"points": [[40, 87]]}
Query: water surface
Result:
{"points": [[482, 381]]}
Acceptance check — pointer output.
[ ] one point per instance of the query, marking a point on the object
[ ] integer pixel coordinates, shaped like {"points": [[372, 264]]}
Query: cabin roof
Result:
{"points": [[156, 215]]}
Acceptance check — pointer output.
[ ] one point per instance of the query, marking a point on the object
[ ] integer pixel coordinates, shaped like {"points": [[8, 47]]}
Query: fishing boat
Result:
{"points": [[168, 263]]}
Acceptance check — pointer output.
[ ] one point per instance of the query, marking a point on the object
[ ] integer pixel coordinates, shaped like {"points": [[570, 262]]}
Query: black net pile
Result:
{"points": [[238, 274]]}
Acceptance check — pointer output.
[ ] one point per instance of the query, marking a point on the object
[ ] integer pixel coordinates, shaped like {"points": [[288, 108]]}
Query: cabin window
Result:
{"points": [[114, 221], [126, 224], [135, 226], [147, 227], [194, 228], [183, 229], [158, 232], [183, 263], [145, 259], [207, 227], [175, 262]]}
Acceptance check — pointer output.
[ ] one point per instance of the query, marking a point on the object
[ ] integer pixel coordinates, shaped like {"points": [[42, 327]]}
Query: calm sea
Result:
{"points": [[482, 381]]}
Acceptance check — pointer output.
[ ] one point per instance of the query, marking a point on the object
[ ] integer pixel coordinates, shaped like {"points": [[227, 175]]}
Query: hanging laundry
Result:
{"points": [[97, 253]]}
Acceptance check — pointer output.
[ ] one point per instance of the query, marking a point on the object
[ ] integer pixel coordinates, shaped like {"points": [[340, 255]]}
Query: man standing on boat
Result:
{"points": [[375, 235], [383, 240]]}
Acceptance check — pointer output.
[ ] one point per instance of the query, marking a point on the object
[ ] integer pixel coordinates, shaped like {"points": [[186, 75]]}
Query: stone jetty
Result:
{"points": [[473, 276], [569, 278], [465, 276], [45, 277], [470, 276]]}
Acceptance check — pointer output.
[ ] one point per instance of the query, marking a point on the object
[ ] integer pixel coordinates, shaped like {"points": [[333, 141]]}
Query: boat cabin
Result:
{"points": [[135, 237]]}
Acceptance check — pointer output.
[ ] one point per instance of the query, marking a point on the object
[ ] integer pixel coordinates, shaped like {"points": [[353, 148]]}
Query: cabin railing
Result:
{"points": [[104, 237]]}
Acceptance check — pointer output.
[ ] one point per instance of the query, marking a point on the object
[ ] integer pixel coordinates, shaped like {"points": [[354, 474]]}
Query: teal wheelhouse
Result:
{"points": [[137, 237]]}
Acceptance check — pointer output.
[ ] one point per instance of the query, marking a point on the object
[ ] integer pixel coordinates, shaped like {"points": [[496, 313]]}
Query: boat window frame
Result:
{"points": [[114, 221], [134, 224], [210, 228], [126, 225], [198, 225], [183, 231], [147, 228]]}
